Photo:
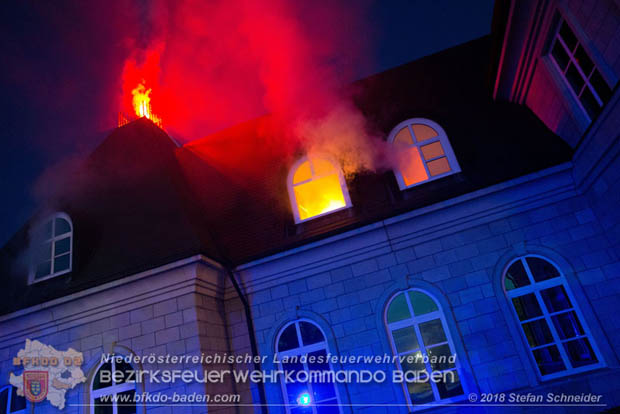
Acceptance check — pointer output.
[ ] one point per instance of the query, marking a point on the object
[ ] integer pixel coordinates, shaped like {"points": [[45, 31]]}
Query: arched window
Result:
{"points": [[424, 151], [304, 338], [10, 402], [316, 187], [52, 248], [551, 322], [105, 386], [420, 338]]}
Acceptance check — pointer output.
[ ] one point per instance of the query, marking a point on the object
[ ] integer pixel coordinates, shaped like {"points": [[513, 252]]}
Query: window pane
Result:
{"points": [[555, 298], [405, 339], [127, 407], [516, 276], [102, 408], [310, 334], [442, 353], [421, 303], [322, 390], [574, 78], [584, 61], [125, 368], [62, 263], [423, 132], [412, 167], [288, 339], [294, 389], [527, 306], [548, 360], [303, 173], [62, 246], [433, 150], [438, 166], [17, 402], [541, 269], [420, 392], [590, 104], [403, 137], [413, 362], [568, 325], [4, 400], [580, 352], [319, 196], [301, 410], [398, 309], [98, 383], [62, 227], [43, 252], [537, 333], [451, 386], [560, 56], [324, 408], [432, 332], [43, 269], [568, 36], [600, 86]]}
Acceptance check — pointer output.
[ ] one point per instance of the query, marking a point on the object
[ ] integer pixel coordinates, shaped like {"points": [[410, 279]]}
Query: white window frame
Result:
{"points": [[535, 288], [291, 186], [33, 267], [571, 57], [303, 350], [10, 389], [112, 389], [415, 321], [441, 137]]}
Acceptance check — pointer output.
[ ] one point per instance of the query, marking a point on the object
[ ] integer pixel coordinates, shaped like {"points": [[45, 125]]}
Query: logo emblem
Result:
{"points": [[35, 385]]}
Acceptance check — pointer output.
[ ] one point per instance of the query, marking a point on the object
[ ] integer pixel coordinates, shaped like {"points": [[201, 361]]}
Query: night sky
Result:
{"points": [[62, 64]]}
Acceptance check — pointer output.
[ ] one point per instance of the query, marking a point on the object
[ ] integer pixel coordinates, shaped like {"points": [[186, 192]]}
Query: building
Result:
{"points": [[499, 243]]}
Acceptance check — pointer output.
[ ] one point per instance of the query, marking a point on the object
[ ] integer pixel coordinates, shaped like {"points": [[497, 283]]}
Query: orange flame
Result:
{"points": [[142, 103]]}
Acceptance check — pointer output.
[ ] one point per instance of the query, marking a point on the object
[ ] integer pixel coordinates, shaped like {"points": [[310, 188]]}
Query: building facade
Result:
{"points": [[499, 243]]}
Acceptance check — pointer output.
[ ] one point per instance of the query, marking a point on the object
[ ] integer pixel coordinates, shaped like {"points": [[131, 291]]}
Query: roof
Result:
{"points": [[141, 201]]}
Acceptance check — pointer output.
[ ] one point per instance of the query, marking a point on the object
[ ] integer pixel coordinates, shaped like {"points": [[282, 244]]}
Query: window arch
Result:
{"points": [[102, 387], [418, 330], [551, 323], [52, 248], [304, 338], [10, 402], [425, 152], [316, 187]]}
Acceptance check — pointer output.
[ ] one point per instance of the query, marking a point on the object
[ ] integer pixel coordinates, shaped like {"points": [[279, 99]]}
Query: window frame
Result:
{"points": [[415, 322], [554, 38], [10, 388], [302, 350], [33, 266], [441, 137], [534, 288], [113, 389], [291, 186]]}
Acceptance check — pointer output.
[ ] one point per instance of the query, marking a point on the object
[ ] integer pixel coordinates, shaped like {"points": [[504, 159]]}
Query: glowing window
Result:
{"points": [[303, 338], [424, 152], [418, 333], [552, 325], [52, 251], [10, 402], [104, 388], [316, 187]]}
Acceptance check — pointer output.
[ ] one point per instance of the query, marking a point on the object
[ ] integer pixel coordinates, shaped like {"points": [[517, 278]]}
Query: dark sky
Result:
{"points": [[59, 60]]}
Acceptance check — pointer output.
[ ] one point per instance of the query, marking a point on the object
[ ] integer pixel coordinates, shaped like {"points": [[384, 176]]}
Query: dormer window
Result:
{"points": [[316, 187], [425, 154], [52, 248]]}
